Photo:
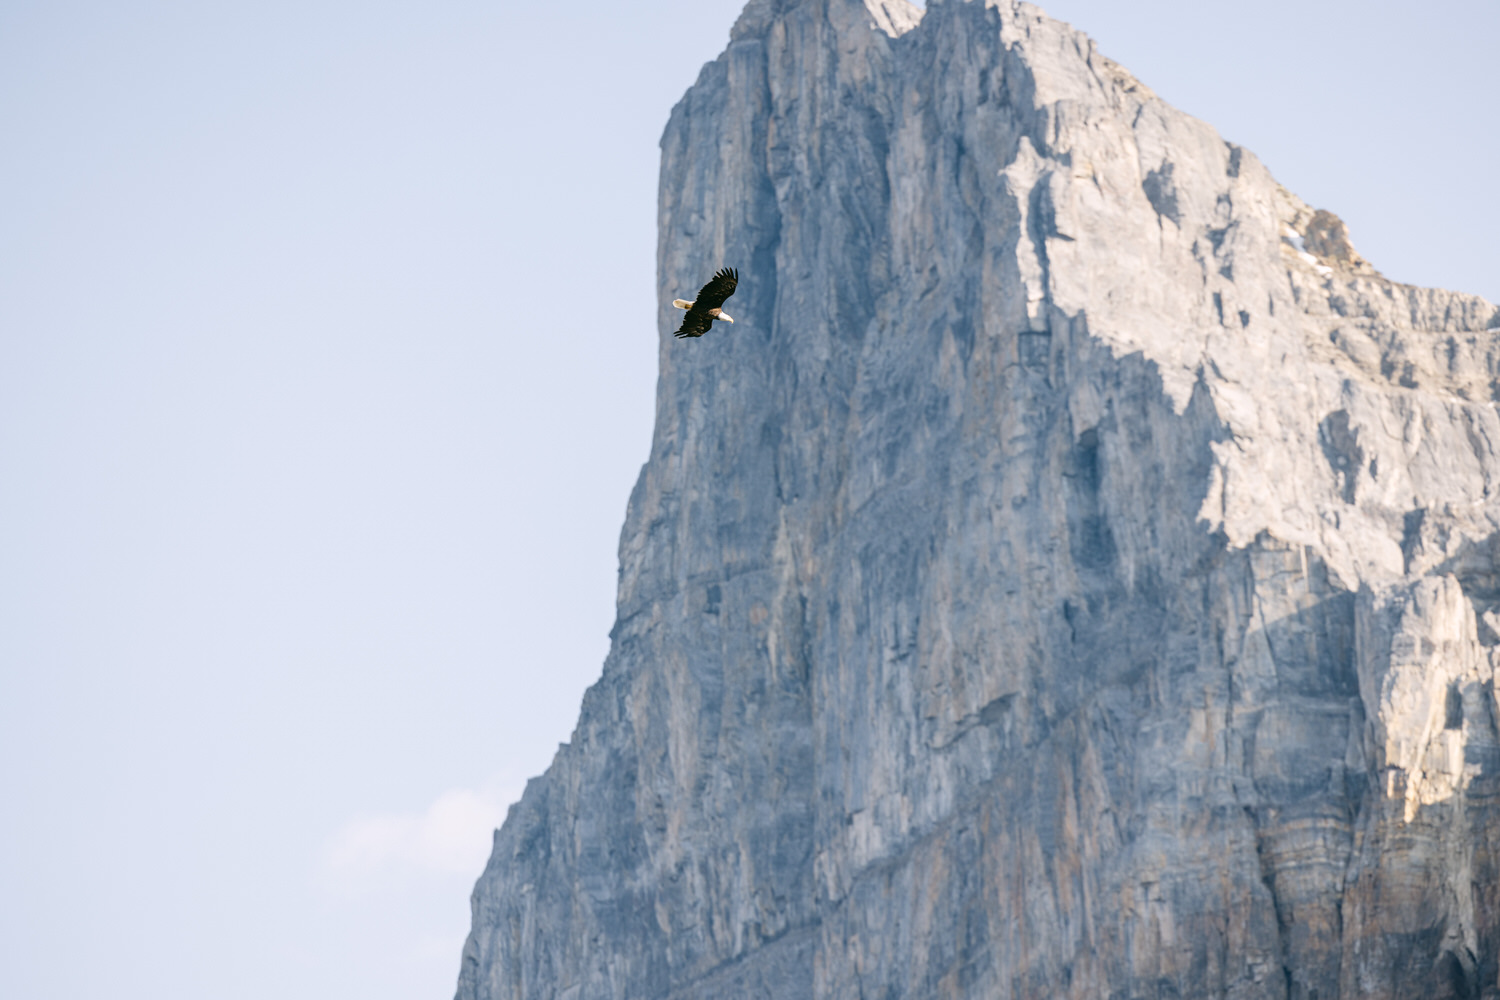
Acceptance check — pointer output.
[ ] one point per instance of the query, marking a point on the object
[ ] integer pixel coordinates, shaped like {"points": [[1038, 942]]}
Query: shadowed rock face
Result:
{"points": [[1076, 574]]}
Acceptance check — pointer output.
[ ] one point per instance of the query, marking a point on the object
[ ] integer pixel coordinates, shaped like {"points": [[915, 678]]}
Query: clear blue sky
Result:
{"points": [[309, 502]]}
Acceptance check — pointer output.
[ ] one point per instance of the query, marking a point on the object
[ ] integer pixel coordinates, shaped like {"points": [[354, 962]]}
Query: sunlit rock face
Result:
{"points": [[1076, 574]]}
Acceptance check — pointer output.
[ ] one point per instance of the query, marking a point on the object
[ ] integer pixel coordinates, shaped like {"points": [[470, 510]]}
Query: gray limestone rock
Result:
{"points": [[1076, 574]]}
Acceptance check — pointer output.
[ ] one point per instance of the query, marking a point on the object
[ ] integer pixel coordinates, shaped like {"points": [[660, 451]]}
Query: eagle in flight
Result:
{"points": [[703, 310]]}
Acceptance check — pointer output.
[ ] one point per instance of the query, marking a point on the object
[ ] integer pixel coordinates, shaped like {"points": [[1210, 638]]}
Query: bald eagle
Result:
{"points": [[703, 310]]}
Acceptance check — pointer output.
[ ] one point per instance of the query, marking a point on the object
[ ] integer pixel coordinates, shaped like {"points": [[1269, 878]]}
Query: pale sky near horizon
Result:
{"points": [[308, 501]]}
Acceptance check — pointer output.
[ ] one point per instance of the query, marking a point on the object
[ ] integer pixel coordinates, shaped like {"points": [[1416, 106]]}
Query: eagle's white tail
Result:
{"points": [[682, 303]]}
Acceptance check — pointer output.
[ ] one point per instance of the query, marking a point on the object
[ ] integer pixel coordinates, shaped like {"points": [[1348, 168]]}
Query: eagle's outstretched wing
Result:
{"points": [[717, 291], [711, 296], [695, 324]]}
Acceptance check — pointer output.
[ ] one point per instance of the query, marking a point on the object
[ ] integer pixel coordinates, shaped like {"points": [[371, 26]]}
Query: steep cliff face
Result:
{"points": [[1076, 574]]}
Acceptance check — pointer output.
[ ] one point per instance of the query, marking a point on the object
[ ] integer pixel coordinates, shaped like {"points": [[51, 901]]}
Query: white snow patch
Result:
{"points": [[1313, 262], [894, 17]]}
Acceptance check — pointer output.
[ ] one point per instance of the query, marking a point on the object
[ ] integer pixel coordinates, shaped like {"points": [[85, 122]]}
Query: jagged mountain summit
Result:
{"points": [[1075, 575]]}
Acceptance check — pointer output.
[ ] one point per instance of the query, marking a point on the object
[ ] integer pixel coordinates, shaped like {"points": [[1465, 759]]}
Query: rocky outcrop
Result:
{"points": [[1076, 574]]}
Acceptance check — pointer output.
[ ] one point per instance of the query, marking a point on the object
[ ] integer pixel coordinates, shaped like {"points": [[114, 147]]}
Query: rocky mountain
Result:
{"points": [[1076, 574]]}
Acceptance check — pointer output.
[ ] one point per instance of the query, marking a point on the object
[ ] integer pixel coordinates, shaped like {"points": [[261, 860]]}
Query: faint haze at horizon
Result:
{"points": [[310, 494]]}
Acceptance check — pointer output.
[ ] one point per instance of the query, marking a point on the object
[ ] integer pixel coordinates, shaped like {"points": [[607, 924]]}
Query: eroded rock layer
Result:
{"points": [[1074, 575]]}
